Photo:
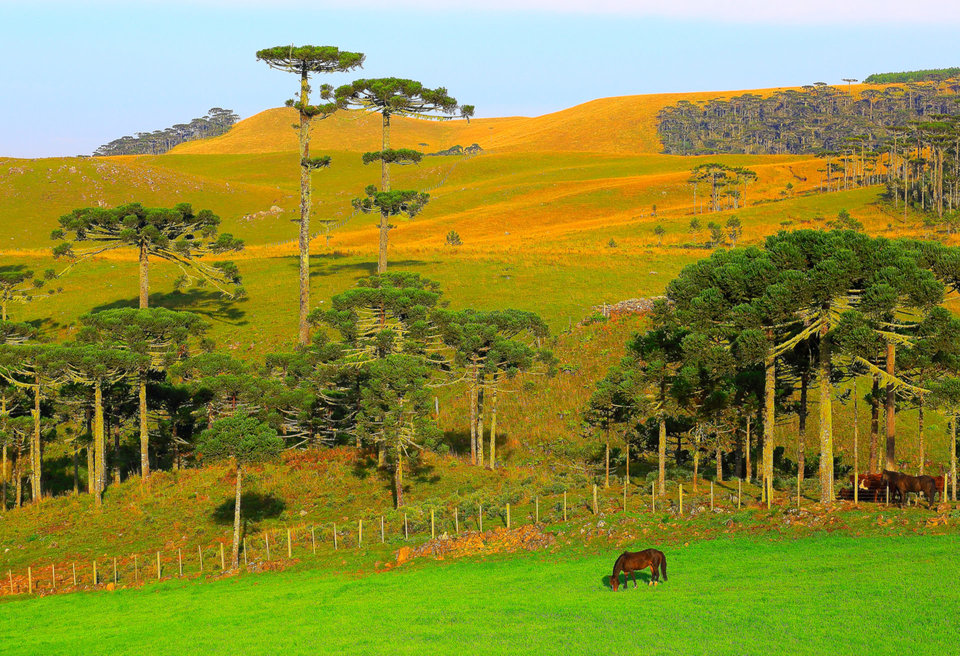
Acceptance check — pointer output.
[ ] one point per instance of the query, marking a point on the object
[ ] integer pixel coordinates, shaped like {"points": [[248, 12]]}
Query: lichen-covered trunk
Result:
{"points": [[303, 327], [921, 445], [384, 186], [826, 421], [144, 430], [748, 474], [662, 455], [719, 462], [891, 409], [480, 411], [100, 443], [36, 492], [953, 456], [606, 461], [802, 425], [493, 424], [235, 552], [696, 463], [769, 417], [91, 470], [474, 386], [874, 463], [398, 477], [144, 277]]}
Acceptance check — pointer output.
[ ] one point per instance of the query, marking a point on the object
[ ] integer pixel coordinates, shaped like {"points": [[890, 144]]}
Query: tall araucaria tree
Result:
{"points": [[396, 97], [174, 234], [19, 284], [304, 60], [160, 336]]}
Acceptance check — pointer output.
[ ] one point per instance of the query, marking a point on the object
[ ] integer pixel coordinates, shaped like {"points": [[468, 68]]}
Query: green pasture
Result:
{"points": [[828, 594]]}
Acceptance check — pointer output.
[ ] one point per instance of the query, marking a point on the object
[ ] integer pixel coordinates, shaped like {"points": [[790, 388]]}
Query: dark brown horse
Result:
{"points": [[903, 483], [630, 561]]}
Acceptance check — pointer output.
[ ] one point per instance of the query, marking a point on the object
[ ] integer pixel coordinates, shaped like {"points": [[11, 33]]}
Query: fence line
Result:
{"points": [[302, 538]]}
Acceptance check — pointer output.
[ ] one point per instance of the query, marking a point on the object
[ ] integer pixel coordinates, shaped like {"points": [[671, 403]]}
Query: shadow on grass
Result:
{"points": [[210, 304], [643, 578], [254, 507]]}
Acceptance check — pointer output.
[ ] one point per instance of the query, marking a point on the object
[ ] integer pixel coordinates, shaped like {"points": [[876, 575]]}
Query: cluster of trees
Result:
{"points": [[728, 184], [928, 75], [742, 336], [816, 118], [216, 122], [139, 389]]}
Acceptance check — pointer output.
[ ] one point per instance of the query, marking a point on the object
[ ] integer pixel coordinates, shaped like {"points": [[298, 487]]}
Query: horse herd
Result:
{"points": [[900, 485]]}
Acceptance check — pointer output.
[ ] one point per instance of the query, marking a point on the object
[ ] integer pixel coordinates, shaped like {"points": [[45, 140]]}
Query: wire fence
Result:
{"points": [[276, 547]]}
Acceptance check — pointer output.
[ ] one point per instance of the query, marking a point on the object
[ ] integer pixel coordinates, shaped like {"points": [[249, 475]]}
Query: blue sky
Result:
{"points": [[79, 74]]}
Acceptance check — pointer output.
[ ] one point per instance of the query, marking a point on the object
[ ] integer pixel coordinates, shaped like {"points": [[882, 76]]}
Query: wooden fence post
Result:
{"points": [[359, 532], [888, 495], [200, 557], [680, 487], [245, 564], [336, 544], [95, 577], [537, 509], [711, 496], [406, 528], [223, 560], [456, 519], [289, 545], [53, 575], [383, 534], [29, 580], [433, 532], [739, 491], [266, 537], [158, 566], [480, 516], [180, 561], [624, 496], [313, 539], [564, 505], [594, 498], [508, 516], [653, 496], [10, 574], [115, 578]]}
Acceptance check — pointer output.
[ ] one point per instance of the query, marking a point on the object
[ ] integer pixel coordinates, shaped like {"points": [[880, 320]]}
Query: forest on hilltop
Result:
{"points": [[216, 122], [927, 75]]}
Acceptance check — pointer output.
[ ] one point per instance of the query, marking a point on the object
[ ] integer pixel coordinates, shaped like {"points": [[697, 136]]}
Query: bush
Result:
{"points": [[453, 239]]}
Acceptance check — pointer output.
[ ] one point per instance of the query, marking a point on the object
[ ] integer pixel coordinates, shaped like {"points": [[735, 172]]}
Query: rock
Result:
{"points": [[404, 555]]}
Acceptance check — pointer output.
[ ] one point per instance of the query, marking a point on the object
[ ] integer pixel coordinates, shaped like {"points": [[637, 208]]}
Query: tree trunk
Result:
{"points": [[802, 423], [384, 186], [627, 478], [303, 328], [748, 474], [769, 417], [144, 432], [953, 455], [91, 470], [662, 456], [923, 454], [235, 552], [493, 424], [36, 492], [144, 278], [398, 477], [891, 409], [873, 463], [3, 474], [76, 469], [480, 411], [100, 443], [606, 459], [473, 414], [3, 426], [826, 421], [696, 463], [719, 462]]}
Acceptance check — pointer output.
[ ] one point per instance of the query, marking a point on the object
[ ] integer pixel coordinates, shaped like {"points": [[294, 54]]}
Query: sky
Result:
{"points": [[82, 73]]}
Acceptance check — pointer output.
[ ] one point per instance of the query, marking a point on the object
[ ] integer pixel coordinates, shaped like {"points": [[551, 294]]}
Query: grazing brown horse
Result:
{"points": [[630, 561], [903, 483]]}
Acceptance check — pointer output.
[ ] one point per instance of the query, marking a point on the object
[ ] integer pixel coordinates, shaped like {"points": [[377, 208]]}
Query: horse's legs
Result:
{"points": [[654, 573]]}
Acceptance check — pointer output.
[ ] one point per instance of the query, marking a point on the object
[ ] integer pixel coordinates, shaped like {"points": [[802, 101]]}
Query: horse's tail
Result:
{"points": [[663, 565]]}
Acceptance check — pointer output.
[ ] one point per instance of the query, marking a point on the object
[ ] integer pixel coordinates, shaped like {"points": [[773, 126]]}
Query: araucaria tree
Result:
{"points": [[244, 441], [396, 97], [19, 284], [304, 60], [174, 234]]}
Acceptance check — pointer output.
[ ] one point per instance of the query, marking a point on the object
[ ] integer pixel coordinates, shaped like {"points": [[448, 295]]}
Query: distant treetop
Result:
{"points": [[929, 75], [216, 122], [313, 59]]}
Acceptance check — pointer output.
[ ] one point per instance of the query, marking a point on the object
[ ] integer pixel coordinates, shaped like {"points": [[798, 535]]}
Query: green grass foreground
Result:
{"points": [[827, 594]]}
